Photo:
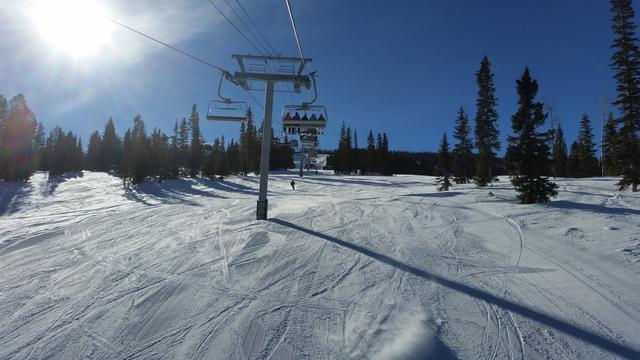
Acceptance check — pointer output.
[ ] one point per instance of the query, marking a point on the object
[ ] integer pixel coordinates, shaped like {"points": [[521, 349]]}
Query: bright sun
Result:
{"points": [[77, 27]]}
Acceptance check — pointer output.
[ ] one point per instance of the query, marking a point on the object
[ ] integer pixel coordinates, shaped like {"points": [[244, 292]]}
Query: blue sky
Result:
{"points": [[401, 67]]}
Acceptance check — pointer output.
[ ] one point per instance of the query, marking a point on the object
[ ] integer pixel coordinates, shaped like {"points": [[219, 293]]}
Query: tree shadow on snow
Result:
{"points": [[54, 181], [351, 181], [228, 186], [443, 194], [535, 315], [11, 195], [169, 192], [594, 208]]}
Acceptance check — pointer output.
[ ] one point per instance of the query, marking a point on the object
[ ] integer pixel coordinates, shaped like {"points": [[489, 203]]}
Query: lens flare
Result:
{"points": [[77, 27]]}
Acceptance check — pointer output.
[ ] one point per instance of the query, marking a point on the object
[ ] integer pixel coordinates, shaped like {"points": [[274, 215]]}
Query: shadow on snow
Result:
{"points": [[535, 315], [437, 194], [54, 181], [168, 192], [11, 195], [594, 208]]}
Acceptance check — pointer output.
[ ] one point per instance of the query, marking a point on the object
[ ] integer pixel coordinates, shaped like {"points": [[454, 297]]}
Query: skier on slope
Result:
{"points": [[293, 184]]}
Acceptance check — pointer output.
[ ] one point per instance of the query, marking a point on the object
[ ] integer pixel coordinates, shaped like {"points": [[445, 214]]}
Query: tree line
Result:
{"points": [[533, 155], [136, 156], [349, 158]]}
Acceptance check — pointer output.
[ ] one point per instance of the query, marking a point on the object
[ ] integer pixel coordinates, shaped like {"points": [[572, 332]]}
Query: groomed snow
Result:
{"points": [[348, 267]]}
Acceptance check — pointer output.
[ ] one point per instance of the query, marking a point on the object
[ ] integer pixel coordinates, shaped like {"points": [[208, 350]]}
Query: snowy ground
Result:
{"points": [[348, 267]]}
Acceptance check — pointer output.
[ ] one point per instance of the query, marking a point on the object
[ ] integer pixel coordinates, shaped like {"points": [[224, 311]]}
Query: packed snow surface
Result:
{"points": [[347, 268]]}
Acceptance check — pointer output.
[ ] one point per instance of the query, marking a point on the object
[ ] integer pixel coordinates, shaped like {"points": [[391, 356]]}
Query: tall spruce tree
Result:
{"points": [[588, 165], [528, 149], [57, 152], [559, 153], [18, 127], [379, 163], [385, 155], [4, 141], [609, 147], [371, 153], [486, 124], [462, 168], [626, 66], [39, 148], [111, 150], [173, 168], [196, 156], [159, 155], [444, 165], [94, 162], [573, 164], [183, 147], [136, 153]]}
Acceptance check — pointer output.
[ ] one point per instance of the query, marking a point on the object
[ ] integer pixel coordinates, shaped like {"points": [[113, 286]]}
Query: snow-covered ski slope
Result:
{"points": [[348, 268]]}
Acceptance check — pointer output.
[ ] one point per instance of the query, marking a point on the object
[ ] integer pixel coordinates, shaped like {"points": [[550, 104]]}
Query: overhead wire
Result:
{"points": [[193, 57], [228, 19], [248, 28], [295, 32], [273, 51], [270, 51], [180, 51], [234, 26]]}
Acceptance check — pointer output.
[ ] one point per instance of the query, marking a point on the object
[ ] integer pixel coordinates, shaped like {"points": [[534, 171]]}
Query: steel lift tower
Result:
{"points": [[270, 70]]}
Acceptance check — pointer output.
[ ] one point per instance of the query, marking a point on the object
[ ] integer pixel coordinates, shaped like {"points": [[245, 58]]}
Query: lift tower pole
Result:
{"points": [[255, 68], [263, 202], [302, 162]]}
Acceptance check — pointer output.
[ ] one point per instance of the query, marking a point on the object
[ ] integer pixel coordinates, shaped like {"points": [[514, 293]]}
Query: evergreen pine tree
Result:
{"points": [[462, 167], [385, 155], [39, 148], [339, 157], [486, 129], [18, 127], [348, 152], [135, 163], [626, 66], [126, 160], [173, 168], [588, 161], [559, 154], [196, 156], [609, 147], [379, 147], [111, 149], [94, 163], [444, 165], [233, 157], [573, 164], [183, 147], [371, 153], [57, 152], [528, 148], [4, 141]]}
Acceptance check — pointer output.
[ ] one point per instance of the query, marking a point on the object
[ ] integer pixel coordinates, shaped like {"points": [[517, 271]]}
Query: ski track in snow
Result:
{"points": [[182, 270]]}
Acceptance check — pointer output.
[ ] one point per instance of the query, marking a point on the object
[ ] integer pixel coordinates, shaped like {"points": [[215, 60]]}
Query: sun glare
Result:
{"points": [[76, 27]]}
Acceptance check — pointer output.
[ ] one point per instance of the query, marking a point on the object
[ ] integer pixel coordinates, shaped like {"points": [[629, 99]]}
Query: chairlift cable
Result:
{"points": [[256, 27], [182, 52], [235, 27], [244, 36], [193, 57], [269, 51], [248, 28], [295, 32]]}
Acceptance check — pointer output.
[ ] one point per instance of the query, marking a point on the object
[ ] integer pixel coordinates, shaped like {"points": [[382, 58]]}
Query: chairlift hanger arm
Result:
{"points": [[222, 77], [315, 90]]}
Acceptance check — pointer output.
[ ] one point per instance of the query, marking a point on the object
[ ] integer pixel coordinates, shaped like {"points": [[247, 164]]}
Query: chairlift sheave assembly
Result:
{"points": [[227, 109]]}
